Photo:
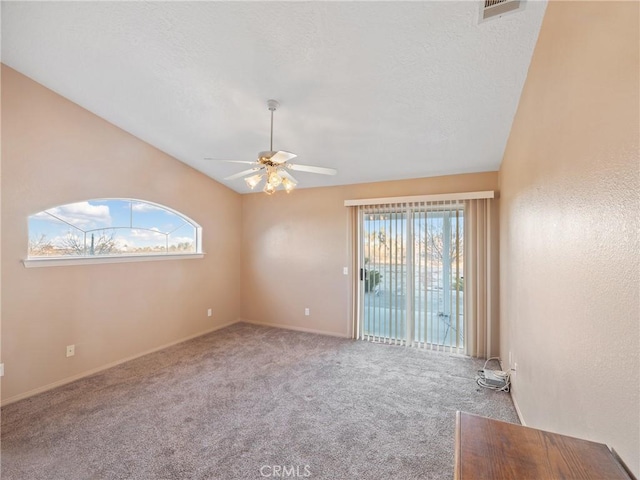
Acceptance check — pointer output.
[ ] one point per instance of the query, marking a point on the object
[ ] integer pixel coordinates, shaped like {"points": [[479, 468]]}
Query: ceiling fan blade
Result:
{"points": [[312, 169], [285, 174], [282, 156], [248, 162], [243, 173]]}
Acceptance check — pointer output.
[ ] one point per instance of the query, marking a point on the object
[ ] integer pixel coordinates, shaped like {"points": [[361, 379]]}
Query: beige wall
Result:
{"points": [[569, 187], [295, 247], [54, 152]]}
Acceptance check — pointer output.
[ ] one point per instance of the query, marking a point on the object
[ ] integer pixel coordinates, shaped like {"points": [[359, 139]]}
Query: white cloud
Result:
{"points": [[123, 243], [138, 238], [151, 234], [82, 215], [145, 207], [177, 240]]}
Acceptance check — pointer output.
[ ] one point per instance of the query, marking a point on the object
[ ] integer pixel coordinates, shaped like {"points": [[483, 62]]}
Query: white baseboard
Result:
{"points": [[93, 371], [515, 402], [298, 329], [518, 412]]}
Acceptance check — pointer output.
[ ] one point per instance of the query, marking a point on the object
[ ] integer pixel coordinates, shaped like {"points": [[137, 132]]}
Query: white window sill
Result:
{"points": [[66, 261]]}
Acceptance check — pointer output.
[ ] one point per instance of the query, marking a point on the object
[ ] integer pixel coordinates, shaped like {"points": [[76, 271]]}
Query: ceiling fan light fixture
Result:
{"points": [[273, 166], [288, 185], [274, 179], [252, 182], [269, 189]]}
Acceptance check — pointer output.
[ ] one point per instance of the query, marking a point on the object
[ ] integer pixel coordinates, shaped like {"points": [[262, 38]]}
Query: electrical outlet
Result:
{"points": [[307, 312], [1, 369], [209, 313], [71, 350], [345, 270]]}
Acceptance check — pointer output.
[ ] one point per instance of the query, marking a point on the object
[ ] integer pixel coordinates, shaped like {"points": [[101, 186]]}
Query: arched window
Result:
{"points": [[111, 228]]}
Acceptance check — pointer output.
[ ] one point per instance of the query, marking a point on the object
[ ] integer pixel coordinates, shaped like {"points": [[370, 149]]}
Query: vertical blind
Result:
{"points": [[414, 260]]}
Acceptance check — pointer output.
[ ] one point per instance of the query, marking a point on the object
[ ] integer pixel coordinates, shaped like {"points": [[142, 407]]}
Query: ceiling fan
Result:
{"points": [[273, 166]]}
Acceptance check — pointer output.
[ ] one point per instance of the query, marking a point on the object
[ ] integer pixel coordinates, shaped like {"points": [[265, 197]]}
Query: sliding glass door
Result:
{"points": [[411, 275]]}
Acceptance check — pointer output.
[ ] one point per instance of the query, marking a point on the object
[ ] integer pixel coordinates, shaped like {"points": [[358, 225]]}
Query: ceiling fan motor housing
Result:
{"points": [[265, 158]]}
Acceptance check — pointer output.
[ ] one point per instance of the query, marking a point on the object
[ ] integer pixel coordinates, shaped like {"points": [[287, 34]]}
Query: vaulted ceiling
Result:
{"points": [[377, 90]]}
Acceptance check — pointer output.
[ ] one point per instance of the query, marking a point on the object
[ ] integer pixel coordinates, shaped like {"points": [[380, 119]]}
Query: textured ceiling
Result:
{"points": [[377, 90]]}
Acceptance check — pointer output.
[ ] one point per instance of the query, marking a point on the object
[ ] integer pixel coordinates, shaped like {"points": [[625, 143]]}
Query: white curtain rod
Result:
{"points": [[420, 198]]}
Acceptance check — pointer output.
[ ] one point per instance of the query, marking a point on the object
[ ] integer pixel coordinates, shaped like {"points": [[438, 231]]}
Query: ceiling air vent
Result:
{"points": [[496, 8]]}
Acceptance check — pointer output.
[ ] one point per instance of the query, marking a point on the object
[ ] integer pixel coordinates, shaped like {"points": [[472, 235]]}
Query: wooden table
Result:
{"points": [[492, 450]]}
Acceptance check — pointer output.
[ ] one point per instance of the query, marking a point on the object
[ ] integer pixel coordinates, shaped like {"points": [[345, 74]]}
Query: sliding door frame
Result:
{"points": [[385, 330]]}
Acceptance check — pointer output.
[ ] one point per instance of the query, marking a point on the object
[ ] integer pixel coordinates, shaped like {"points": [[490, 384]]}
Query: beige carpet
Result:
{"points": [[250, 402]]}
